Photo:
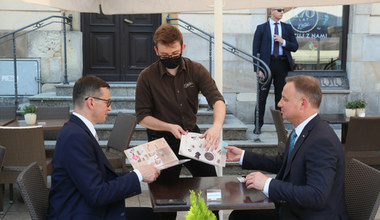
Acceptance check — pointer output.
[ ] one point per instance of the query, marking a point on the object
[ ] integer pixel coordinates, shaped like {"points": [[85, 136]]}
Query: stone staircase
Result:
{"points": [[123, 100]]}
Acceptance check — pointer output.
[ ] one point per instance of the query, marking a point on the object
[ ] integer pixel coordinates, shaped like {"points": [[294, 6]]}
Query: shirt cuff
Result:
{"points": [[241, 158], [284, 43], [266, 186], [138, 175]]}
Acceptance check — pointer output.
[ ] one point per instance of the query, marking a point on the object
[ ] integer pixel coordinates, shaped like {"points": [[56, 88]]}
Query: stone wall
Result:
{"points": [[363, 60]]}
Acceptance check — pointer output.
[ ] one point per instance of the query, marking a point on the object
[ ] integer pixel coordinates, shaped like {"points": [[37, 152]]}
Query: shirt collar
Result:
{"points": [[301, 126], [89, 125], [271, 22], [163, 70]]}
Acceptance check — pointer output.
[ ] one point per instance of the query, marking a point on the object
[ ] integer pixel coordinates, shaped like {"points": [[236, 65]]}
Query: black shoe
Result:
{"points": [[257, 130]]}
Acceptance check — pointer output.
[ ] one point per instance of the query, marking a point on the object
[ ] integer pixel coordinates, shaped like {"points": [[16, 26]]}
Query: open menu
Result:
{"points": [[192, 146], [157, 152]]}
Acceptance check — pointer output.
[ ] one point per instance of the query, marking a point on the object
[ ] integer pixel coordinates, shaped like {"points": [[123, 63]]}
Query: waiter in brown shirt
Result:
{"points": [[167, 100]]}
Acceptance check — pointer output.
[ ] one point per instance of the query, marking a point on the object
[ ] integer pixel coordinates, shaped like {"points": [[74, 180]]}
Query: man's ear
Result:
{"points": [[155, 49], [183, 47], [304, 103]]}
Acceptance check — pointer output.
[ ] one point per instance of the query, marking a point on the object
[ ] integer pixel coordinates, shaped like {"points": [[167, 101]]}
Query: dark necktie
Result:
{"points": [[291, 142], [276, 47]]}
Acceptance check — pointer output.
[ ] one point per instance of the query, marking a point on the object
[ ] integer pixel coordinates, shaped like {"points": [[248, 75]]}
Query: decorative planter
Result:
{"points": [[350, 112], [30, 118], [360, 112]]}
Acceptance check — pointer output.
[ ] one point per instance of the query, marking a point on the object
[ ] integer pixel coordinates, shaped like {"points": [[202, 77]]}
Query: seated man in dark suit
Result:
{"points": [[84, 184], [310, 173]]}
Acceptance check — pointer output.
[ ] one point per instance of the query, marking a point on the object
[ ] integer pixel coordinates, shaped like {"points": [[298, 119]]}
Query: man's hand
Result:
{"points": [[278, 38], [149, 173], [211, 137], [255, 180], [233, 153], [177, 131], [261, 76]]}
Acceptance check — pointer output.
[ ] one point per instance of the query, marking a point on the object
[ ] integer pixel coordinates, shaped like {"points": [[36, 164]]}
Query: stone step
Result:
{"points": [[117, 89], [204, 116], [50, 99], [233, 129]]}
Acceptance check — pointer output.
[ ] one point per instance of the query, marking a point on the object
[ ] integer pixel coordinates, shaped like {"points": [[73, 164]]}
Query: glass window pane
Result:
{"points": [[319, 35]]}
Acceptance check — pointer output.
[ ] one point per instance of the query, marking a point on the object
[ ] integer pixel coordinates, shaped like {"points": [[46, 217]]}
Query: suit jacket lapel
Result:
{"points": [[81, 124], [299, 143], [268, 32]]}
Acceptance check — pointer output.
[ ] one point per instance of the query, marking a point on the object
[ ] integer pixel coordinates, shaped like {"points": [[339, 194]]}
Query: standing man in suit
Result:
{"points": [[167, 101], [310, 173], [273, 40], [84, 184]]}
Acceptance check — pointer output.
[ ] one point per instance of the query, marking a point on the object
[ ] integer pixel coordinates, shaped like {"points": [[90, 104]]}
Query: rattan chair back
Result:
{"points": [[282, 134], [362, 142], [8, 112], [34, 191], [362, 189], [119, 139]]}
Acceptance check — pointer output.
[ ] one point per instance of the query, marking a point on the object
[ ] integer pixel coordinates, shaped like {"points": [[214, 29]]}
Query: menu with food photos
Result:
{"points": [[157, 152], [192, 146]]}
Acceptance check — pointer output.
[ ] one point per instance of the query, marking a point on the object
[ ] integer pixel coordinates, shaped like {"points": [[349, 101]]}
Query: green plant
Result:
{"points": [[198, 209], [358, 103], [361, 103], [30, 109], [351, 105]]}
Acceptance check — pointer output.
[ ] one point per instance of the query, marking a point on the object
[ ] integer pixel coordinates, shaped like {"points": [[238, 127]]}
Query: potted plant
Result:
{"points": [[198, 208], [360, 107], [350, 109], [30, 114]]}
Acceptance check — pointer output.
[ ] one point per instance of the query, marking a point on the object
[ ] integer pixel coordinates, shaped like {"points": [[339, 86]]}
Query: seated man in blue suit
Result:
{"points": [[84, 184], [310, 173]]}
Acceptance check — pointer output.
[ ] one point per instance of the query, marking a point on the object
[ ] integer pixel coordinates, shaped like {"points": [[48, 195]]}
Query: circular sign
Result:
{"points": [[304, 21]]}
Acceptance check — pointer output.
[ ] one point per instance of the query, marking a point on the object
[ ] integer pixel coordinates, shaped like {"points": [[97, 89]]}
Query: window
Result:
{"points": [[322, 37]]}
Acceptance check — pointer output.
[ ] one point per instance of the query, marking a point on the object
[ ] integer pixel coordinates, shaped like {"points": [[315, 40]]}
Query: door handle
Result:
{"points": [[128, 21]]}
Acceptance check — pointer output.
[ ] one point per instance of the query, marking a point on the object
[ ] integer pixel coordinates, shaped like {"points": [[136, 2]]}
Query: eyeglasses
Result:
{"points": [[174, 55], [279, 9], [106, 100]]}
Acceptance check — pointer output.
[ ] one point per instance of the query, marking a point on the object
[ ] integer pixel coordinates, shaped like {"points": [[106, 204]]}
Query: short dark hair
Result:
{"points": [[308, 86], [87, 86], [167, 34]]}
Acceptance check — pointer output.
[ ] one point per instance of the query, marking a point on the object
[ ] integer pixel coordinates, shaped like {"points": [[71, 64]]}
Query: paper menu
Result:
{"points": [[157, 152], [192, 146]]}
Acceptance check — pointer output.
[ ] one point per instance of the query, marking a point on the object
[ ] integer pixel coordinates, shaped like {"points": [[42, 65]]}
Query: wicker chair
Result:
{"points": [[24, 146], [362, 189], [362, 141], [8, 112], [119, 140], [47, 113], [282, 134], [34, 191], [2, 154]]}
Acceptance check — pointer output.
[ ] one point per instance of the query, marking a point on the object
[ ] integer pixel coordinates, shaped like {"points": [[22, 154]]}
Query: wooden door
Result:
{"points": [[118, 47]]}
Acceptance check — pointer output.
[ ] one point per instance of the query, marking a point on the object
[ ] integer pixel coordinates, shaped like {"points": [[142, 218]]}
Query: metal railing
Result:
{"points": [[256, 62], [30, 28]]}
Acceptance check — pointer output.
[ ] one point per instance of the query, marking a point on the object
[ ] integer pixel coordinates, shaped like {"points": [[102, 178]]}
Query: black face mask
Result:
{"points": [[172, 62]]}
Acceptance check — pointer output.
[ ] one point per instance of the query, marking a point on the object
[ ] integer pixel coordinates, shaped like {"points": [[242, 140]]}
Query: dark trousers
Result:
{"points": [[196, 168], [279, 69], [264, 214]]}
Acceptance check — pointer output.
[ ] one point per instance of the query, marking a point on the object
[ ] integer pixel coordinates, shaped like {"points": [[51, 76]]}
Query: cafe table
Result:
{"points": [[47, 125], [220, 193], [4, 121]]}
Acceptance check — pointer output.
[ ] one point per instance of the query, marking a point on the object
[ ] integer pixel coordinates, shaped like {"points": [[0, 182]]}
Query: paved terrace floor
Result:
{"points": [[17, 210]]}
